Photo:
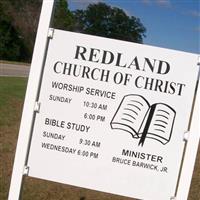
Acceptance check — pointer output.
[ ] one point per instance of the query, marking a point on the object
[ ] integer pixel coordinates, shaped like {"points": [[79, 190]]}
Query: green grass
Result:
{"points": [[12, 92], [12, 88]]}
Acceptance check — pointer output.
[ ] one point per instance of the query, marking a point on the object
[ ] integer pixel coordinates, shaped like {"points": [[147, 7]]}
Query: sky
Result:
{"points": [[173, 24]]}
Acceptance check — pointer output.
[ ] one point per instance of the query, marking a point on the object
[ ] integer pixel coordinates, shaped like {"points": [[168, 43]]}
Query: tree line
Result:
{"points": [[19, 20]]}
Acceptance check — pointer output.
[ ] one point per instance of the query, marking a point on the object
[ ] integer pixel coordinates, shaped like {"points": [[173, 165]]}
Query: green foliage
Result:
{"points": [[19, 20], [103, 20], [63, 18], [11, 46]]}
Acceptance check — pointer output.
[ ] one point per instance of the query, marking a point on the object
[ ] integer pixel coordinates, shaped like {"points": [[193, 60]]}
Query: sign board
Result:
{"points": [[112, 115]]}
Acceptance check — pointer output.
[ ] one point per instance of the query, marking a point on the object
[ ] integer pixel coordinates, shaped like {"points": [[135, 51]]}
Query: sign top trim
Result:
{"points": [[128, 42]]}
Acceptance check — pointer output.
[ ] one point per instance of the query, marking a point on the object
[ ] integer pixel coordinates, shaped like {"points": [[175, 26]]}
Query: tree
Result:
{"points": [[11, 45], [18, 26], [63, 17], [21, 22], [103, 20]]}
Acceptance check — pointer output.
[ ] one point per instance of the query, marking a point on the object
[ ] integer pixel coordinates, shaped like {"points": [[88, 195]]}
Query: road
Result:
{"points": [[15, 70]]}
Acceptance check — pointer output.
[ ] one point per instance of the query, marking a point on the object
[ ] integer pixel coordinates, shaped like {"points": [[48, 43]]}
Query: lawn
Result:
{"points": [[12, 91]]}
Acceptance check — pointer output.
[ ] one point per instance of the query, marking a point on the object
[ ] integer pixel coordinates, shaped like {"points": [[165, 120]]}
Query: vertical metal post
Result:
{"points": [[190, 153], [30, 98]]}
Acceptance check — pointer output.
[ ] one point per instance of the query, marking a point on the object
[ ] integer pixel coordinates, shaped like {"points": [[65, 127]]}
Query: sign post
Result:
{"points": [[191, 150], [33, 86]]}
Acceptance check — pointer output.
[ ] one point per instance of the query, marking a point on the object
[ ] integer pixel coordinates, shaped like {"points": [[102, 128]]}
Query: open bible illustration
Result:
{"points": [[136, 116]]}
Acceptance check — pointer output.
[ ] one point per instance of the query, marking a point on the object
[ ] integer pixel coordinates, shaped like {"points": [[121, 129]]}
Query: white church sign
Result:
{"points": [[111, 115]]}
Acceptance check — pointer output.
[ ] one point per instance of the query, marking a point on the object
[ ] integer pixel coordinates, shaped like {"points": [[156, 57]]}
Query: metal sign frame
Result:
{"points": [[27, 119], [193, 138], [30, 107]]}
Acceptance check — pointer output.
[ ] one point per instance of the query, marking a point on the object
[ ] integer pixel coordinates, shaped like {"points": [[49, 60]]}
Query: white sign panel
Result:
{"points": [[112, 115]]}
